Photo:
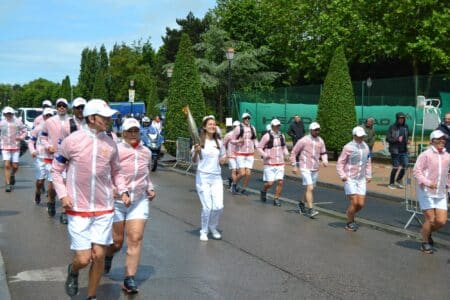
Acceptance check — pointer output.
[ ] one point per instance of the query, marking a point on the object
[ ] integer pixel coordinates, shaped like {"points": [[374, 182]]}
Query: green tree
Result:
{"points": [[66, 89], [185, 89], [33, 93], [336, 109], [99, 90], [152, 100], [88, 70]]}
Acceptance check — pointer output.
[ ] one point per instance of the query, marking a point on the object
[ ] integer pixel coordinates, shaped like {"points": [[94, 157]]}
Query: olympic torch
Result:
{"points": [[192, 127]]}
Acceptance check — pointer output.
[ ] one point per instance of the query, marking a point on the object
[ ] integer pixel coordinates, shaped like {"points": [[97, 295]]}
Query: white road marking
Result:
{"points": [[51, 274]]}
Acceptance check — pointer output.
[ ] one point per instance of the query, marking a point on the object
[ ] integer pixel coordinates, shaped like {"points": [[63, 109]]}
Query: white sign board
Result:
{"points": [[131, 94], [228, 122]]}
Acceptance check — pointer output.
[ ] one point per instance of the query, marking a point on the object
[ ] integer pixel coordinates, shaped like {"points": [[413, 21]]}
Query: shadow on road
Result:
{"points": [[7, 213]]}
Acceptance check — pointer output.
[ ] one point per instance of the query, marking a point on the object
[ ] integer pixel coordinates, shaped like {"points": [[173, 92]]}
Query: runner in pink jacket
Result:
{"points": [[91, 160], [431, 174], [12, 131], [354, 167], [42, 159], [272, 148], [39, 119], [231, 155], [244, 137], [311, 148], [135, 160]]}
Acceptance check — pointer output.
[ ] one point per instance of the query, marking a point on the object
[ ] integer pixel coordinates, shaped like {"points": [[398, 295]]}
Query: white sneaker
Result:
{"points": [[399, 185], [392, 186], [203, 237], [215, 234]]}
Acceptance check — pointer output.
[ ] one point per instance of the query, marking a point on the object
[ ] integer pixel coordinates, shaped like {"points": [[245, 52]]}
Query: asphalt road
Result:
{"points": [[266, 252]]}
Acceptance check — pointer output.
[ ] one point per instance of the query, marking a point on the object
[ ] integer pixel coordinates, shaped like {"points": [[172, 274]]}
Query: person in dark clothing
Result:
{"points": [[296, 129], [445, 128], [397, 137]]}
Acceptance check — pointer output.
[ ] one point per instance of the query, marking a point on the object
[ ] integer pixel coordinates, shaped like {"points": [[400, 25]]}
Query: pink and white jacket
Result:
{"points": [[248, 146], [134, 164], [311, 150], [432, 168], [230, 147], [11, 133], [39, 119], [354, 161], [55, 130], [273, 156], [91, 161], [35, 143]]}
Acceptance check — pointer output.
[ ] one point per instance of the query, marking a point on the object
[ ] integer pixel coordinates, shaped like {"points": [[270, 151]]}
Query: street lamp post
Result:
{"points": [[169, 72], [369, 84], [230, 55], [131, 94]]}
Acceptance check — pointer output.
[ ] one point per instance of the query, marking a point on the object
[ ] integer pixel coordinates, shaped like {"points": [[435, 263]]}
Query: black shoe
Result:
{"points": [[71, 284], [263, 196], [430, 241], [91, 298], [51, 210], [8, 188], [108, 264], [12, 180], [234, 188], [230, 181], [244, 192], [301, 207], [129, 285], [63, 218], [426, 248], [37, 198], [276, 202], [312, 213]]}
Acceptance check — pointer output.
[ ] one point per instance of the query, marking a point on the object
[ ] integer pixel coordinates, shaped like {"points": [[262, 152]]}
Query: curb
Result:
{"points": [[372, 224], [4, 289]]}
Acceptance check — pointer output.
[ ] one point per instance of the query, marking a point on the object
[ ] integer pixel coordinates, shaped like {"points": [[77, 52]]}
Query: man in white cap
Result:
{"points": [[430, 171], [231, 149], [272, 148], [244, 137], [354, 167], [77, 109], [42, 158], [91, 160], [40, 119], [12, 131], [311, 148], [54, 131]]}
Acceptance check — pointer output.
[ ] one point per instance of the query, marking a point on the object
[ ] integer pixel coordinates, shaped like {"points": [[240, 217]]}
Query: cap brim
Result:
{"points": [[107, 113]]}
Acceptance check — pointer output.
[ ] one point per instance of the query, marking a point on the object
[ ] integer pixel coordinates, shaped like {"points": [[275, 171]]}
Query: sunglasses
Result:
{"points": [[61, 105], [318, 129], [246, 118], [79, 107], [133, 131]]}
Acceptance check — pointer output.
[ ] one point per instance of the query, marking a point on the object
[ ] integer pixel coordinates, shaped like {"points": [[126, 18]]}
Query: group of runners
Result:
{"points": [[104, 184]]}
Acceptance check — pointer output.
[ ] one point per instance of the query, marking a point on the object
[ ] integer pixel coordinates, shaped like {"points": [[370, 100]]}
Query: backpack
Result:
{"points": [[73, 125], [241, 132], [269, 144]]}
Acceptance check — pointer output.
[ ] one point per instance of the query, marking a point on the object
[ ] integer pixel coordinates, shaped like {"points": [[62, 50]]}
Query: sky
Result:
{"points": [[44, 38]]}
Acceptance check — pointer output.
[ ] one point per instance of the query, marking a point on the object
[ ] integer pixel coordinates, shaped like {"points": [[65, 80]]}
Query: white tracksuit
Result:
{"points": [[208, 181]]}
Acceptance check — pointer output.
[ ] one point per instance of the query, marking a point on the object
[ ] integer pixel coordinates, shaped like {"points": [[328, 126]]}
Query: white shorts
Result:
{"points": [[85, 231], [273, 173], [138, 210], [309, 177], [232, 164], [12, 156], [430, 203], [245, 161], [355, 187], [43, 170]]}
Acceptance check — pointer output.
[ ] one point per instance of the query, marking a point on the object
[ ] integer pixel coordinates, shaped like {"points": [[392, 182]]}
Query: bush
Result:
{"points": [[336, 109], [185, 89]]}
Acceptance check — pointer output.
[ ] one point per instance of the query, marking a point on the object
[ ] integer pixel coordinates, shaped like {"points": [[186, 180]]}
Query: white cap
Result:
{"points": [[275, 122], [8, 110], [146, 119], [78, 101], [236, 123], [358, 131], [246, 115], [436, 134], [314, 125], [208, 117], [98, 107], [62, 100], [47, 103], [130, 123], [47, 111]]}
